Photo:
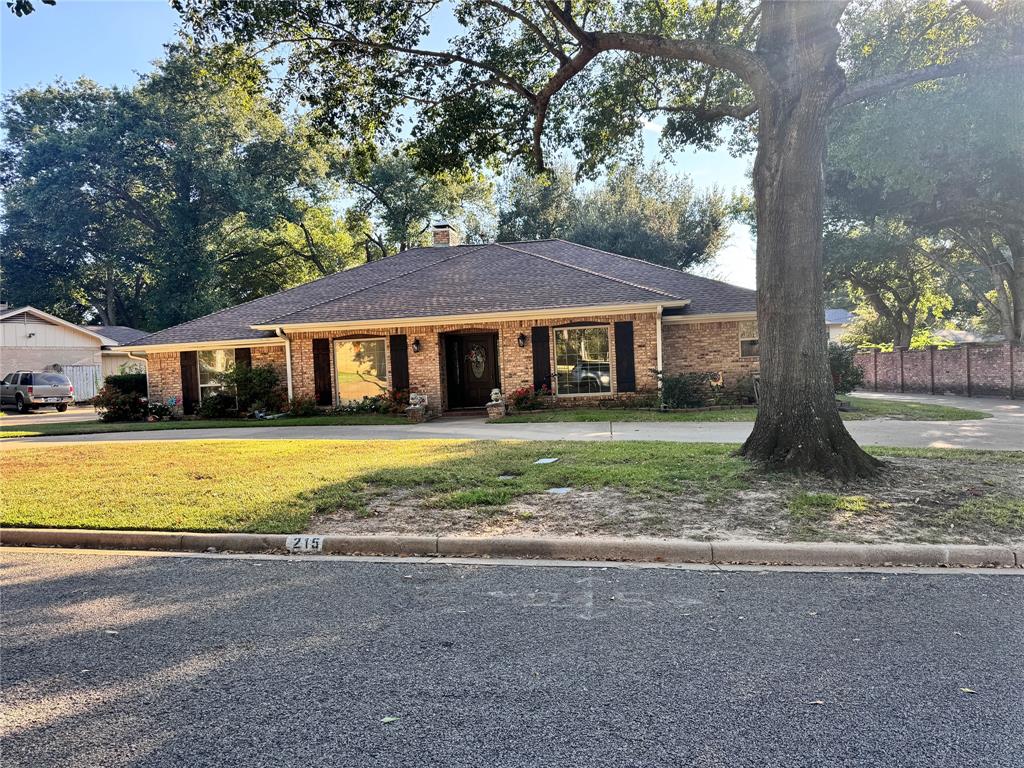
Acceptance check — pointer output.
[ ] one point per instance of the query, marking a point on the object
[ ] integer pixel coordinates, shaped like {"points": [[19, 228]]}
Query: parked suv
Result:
{"points": [[33, 389]]}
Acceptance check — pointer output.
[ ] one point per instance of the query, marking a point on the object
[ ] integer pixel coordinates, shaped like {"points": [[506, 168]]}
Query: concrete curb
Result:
{"points": [[574, 548]]}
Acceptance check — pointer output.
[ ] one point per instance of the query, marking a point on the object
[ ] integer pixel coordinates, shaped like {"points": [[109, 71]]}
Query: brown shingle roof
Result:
{"points": [[461, 280]]}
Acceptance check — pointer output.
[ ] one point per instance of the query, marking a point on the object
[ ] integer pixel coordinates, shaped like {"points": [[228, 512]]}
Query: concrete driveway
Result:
{"points": [[1003, 432], [11, 417]]}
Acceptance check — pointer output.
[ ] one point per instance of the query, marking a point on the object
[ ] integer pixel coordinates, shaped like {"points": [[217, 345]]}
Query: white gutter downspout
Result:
{"points": [[133, 356], [287, 359], [660, 363]]}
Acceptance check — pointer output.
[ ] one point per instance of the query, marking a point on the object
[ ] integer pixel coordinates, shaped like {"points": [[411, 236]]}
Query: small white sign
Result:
{"points": [[304, 543]]}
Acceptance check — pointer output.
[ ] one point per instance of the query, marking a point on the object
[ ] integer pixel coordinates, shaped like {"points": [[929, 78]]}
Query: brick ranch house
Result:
{"points": [[452, 322]]}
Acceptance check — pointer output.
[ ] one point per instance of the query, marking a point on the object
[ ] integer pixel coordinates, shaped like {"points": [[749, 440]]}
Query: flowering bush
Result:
{"points": [[392, 401], [528, 398]]}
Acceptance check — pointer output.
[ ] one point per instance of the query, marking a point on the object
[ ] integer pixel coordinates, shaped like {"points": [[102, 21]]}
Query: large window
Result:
{"points": [[213, 362], [361, 369], [582, 361]]}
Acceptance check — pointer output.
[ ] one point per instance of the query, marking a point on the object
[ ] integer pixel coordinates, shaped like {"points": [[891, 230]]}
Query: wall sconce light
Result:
{"points": [[415, 345], [522, 340]]}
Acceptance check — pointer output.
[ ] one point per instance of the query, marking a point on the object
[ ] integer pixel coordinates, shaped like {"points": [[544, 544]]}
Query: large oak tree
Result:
{"points": [[526, 76]]}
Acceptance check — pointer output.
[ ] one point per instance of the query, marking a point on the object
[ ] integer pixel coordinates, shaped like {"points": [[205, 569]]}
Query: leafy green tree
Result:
{"points": [[887, 267], [538, 207], [648, 214], [637, 211], [400, 199], [525, 77], [255, 262], [949, 161], [118, 202]]}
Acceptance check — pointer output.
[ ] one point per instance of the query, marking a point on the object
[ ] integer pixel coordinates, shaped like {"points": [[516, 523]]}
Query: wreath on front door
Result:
{"points": [[477, 360]]}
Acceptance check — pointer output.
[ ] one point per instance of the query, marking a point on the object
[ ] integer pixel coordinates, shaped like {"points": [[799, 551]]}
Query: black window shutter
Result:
{"points": [[322, 371], [541, 343], [399, 361], [189, 382], [625, 368], [243, 357]]}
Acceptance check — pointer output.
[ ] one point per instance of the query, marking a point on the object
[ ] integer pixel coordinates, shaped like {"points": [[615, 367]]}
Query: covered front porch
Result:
{"points": [[456, 366]]}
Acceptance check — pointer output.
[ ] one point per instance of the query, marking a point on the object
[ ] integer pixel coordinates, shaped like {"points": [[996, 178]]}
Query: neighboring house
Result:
{"points": [[452, 322], [34, 340], [838, 321], [957, 336]]}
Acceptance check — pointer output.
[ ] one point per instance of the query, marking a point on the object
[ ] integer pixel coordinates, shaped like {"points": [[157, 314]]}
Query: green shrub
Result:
{"points": [[218, 406], [114, 405], [160, 412], [745, 389], [688, 390], [302, 406], [257, 388], [392, 401], [846, 374], [127, 383]]}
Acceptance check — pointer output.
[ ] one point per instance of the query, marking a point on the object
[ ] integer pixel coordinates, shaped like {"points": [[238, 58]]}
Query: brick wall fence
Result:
{"points": [[966, 369]]}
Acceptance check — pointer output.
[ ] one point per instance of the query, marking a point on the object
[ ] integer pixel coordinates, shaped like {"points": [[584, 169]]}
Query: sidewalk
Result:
{"points": [[1003, 432]]}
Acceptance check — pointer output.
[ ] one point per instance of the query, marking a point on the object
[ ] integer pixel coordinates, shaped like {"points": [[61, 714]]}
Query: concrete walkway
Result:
{"points": [[11, 418], [1003, 432]]}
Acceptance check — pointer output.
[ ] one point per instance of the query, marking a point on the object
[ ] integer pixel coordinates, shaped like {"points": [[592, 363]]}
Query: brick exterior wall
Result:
{"points": [[711, 347], [968, 369], [163, 370], [687, 347], [271, 356], [515, 363]]}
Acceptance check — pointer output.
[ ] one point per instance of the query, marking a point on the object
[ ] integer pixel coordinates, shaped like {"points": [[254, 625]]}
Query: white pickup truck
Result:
{"points": [[34, 389]]}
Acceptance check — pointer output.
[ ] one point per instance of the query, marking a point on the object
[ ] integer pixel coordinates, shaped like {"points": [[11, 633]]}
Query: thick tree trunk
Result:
{"points": [[903, 334], [798, 427], [1015, 241]]}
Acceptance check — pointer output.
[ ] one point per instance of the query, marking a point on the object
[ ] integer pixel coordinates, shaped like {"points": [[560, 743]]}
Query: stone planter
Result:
{"points": [[495, 410], [417, 414]]}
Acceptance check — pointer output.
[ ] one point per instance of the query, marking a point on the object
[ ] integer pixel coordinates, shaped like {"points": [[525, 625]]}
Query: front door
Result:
{"points": [[471, 368]]}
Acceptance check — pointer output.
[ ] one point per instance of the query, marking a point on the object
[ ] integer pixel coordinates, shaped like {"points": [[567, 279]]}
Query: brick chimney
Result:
{"points": [[444, 234]]}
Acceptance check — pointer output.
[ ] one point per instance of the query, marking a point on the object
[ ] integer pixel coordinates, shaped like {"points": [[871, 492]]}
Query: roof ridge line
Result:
{"points": [[591, 271], [372, 285], [648, 263], [258, 298]]}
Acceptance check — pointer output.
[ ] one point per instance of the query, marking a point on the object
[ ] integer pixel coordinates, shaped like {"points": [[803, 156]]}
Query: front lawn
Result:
{"points": [[479, 487], [99, 427], [862, 408]]}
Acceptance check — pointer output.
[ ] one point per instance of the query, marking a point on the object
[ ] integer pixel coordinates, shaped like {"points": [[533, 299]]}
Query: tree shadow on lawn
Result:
{"points": [[700, 492]]}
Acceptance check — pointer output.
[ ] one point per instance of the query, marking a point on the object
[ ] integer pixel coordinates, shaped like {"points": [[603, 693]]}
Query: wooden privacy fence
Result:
{"points": [[85, 379], [966, 369]]}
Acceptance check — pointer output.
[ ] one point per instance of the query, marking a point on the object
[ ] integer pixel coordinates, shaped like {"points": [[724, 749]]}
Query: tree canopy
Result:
{"points": [[642, 212], [399, 200], [949, 162], [137, 205]]}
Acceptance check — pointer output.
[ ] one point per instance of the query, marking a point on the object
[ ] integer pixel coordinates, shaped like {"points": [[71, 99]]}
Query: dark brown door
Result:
{"points": [[472, 369], [189, 382], [322, 371]]}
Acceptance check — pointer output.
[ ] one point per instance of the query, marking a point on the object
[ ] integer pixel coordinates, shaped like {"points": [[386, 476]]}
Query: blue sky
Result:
{"points": [[111, 41]]}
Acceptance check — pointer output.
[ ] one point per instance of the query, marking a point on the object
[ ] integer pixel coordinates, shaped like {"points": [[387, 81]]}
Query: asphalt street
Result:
{"points": [[115, 660]]}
